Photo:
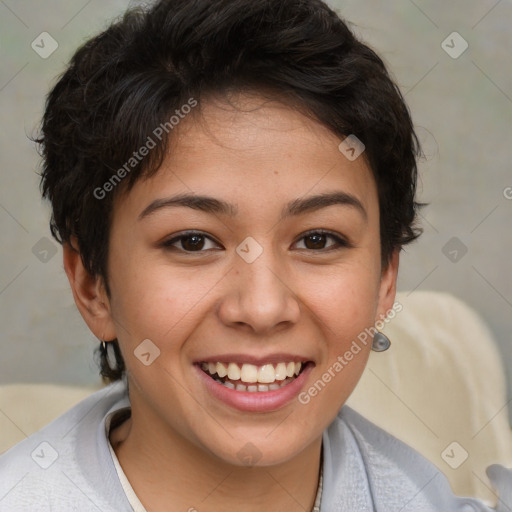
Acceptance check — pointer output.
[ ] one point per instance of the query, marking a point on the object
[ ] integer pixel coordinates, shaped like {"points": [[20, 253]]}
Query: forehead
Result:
{"points": [[253, 151]]}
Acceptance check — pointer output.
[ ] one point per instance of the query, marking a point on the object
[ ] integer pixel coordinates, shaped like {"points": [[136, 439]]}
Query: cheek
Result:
{"points": [[344, 308], [157, 302], [344, 301]]}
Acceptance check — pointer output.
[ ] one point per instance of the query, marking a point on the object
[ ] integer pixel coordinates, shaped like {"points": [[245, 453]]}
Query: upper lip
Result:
{"points": [[255, 360]]}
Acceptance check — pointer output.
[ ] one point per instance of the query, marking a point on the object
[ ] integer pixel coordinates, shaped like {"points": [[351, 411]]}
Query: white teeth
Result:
{"points": [[221, 370], [255, 388], [281, 371], [249, 373], [233, 371], [266, 374]]}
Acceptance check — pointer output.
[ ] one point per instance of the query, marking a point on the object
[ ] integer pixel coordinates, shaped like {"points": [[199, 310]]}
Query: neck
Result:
{"points": [[169, 473]]}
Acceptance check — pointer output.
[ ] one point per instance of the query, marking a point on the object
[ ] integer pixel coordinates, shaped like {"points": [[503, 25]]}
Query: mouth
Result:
{"points": [[251, 378]]}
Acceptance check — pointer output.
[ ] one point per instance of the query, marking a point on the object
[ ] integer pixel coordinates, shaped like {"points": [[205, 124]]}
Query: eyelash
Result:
{"points": [[340, 242]]}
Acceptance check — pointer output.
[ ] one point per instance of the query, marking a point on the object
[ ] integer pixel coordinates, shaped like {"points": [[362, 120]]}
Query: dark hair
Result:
{"points": [[123, 83]]}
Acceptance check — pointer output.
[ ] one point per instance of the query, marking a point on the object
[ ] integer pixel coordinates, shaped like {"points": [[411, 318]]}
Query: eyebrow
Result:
{"points": [[296, 207]]}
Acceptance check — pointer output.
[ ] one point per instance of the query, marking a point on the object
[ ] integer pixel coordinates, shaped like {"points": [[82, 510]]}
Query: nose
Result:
{"points": [[259, 296]]}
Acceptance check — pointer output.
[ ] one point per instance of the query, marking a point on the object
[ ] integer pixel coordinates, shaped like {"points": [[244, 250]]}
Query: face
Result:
{"points": [[269, 283]]}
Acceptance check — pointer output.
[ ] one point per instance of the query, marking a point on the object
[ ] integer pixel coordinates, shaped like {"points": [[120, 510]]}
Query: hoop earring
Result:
{"points": [[380, 342]]}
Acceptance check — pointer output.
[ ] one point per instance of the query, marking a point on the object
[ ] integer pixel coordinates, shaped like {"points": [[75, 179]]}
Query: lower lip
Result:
{"points": [[259, 401]]}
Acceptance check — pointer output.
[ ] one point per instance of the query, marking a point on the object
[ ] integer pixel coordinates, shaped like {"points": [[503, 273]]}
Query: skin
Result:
{"points": [[179, 449]]}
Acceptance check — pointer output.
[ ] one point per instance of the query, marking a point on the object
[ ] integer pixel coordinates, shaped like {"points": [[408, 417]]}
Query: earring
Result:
{"points": [[104, 346], [380, 342]]}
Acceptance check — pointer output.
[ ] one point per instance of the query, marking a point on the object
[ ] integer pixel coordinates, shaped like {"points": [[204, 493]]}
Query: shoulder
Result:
{"points": [[390, 475], [66, 465]]}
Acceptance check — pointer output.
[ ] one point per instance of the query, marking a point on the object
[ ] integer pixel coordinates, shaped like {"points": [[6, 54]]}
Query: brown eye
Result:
{"points": [[316, 241], [189, 242], [192, 242]]}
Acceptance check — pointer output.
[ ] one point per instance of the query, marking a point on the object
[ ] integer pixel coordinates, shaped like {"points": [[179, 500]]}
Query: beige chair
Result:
{"points": [[440, 388]]}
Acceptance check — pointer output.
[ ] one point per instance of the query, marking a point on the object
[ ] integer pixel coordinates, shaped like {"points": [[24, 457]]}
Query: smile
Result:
{"points": [[252, 378]]}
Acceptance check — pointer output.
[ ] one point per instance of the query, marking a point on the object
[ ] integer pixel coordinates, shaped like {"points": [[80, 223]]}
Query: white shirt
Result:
{"points": [[68, 466]]}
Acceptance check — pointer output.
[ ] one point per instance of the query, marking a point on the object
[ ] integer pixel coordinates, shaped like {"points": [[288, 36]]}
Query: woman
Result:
{"points": [[232, 182]]}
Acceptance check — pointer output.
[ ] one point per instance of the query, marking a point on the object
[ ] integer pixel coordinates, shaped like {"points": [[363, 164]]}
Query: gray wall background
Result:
{"points": [[462, 108]]}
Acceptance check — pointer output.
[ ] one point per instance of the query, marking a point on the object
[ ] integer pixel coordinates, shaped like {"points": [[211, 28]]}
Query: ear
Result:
{"points": [[387, 290], [89, 293]]}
